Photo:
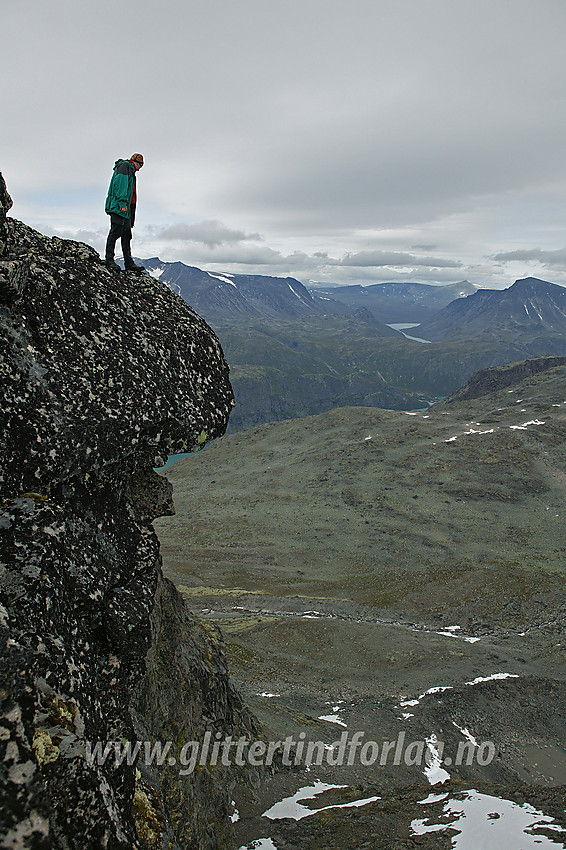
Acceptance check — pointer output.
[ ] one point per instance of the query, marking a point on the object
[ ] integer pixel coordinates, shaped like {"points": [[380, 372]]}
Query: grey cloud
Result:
{"points": [[91, 237], [319, 260], [410, 142], [368, 275], [533, 255], [94, 238], [210, 233], [80, 235], [396, 258], [259, 256]]}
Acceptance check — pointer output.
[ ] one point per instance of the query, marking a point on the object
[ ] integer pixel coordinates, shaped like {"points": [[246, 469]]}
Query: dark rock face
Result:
{"points": [[184, 694], [101, 373], [12, 272], [100, 368], [499, 377], [5, 206]]}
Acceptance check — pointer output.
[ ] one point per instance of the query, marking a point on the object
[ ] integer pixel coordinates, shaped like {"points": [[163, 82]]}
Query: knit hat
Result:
{"points": [[137, 157]]}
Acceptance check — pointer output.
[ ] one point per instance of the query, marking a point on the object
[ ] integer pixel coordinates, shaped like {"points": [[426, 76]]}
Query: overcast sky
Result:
{"points": [[347, 141]]}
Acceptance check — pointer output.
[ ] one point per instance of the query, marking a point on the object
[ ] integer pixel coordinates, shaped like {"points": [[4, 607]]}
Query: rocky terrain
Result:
{"points": [[102, 375], [490, 380], [393, 573]]}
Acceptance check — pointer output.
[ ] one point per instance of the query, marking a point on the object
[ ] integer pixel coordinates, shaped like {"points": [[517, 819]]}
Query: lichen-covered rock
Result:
{"points": [[5, 206], [100, 368], [13, 273], [100, 374]]}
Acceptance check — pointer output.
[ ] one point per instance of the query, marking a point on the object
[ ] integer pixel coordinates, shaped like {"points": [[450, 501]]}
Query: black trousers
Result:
{"points": [[120, 228]]}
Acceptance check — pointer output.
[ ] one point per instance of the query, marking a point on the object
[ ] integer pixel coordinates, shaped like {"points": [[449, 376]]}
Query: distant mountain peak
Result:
{"points": [[534, 283], [529, 306]]}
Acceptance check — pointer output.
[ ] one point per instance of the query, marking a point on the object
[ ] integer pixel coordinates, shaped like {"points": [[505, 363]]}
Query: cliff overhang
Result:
{"points": [[103, 375]]}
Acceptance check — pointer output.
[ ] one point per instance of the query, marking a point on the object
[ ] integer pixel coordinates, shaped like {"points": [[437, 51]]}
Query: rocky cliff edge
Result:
{"points": [[102, 375]]}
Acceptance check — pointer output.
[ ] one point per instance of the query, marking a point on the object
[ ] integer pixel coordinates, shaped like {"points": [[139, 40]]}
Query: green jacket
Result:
{"points": [[122, 190]]}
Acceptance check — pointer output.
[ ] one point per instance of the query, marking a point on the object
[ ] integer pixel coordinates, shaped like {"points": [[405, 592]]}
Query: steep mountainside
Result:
{"points": [[222, 296], [529, 309], [280, 370], [102, 375], [398, 302]]}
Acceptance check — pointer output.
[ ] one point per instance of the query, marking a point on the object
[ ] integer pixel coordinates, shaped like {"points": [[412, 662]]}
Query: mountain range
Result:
{"points": [[295, 352], [222, 296], [397, 302]]}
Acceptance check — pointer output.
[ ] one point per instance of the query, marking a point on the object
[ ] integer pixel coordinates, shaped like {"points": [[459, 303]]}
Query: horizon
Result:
{"points": [[312, 284]]}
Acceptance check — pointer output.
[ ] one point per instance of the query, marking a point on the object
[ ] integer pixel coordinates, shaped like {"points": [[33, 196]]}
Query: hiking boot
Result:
{"points": [[130, 266], [112, 265]]}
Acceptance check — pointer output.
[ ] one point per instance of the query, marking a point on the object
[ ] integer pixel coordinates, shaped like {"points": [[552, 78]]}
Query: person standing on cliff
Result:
{"points": [[121, 207]]}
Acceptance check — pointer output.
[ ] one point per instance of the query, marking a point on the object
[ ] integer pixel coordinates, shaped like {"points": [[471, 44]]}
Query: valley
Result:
{"points": [[390, 572]]}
